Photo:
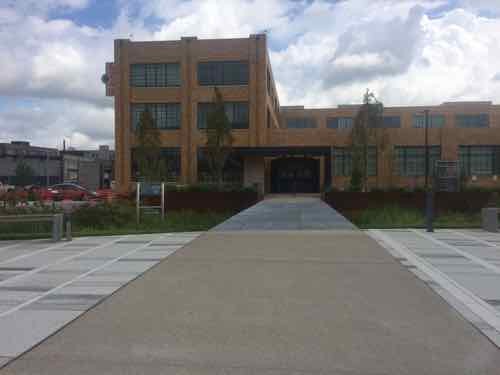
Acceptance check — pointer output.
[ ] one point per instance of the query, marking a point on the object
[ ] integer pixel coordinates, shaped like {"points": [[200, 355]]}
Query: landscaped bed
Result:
{"points": [[392, 216], [114, 219]]}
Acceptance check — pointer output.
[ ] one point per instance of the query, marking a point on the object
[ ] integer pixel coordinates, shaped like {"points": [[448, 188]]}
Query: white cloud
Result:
{"points": [[323, 53]]}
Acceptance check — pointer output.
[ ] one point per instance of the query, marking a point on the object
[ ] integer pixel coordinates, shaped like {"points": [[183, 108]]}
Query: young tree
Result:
{"points": [[219, 138], [24, 174], [363, 134], [150, 165]]}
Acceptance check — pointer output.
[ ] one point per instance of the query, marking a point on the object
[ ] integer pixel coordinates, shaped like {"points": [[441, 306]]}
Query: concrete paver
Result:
{"points": [[270, 302], [44, 286]]}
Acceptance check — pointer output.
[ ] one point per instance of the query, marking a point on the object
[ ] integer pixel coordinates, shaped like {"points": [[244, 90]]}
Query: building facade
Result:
{"points": [[45, 163], [92, 169], [279, 149]]}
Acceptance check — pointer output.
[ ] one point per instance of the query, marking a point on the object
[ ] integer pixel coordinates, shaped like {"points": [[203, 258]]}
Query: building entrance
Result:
{"points": [[295, 175]]}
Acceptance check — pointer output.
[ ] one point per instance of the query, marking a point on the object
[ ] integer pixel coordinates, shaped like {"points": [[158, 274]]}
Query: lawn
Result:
{"points": [[398, 217]]}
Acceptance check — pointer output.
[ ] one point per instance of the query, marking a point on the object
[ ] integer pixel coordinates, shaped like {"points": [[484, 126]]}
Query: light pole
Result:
{"points": [[429, 194]]}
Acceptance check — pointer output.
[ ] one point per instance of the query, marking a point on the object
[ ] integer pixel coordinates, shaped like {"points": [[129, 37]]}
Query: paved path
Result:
{"points": [[463, 266], [268, 302], [45, 285]]}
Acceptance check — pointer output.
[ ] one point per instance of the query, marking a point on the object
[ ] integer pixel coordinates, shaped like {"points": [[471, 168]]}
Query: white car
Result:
{"points": [[5, 188]]}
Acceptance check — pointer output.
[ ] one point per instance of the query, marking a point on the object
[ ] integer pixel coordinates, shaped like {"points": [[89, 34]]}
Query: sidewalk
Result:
{"points": [[270, 301]]}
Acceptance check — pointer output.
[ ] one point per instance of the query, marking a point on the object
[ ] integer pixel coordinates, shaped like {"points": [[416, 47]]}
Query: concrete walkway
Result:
{"points": [[270, 302]]}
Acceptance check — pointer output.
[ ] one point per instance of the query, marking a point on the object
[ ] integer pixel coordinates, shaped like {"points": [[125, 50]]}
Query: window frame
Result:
{"points": [[155, 75], [154, 109], [218, 73]]}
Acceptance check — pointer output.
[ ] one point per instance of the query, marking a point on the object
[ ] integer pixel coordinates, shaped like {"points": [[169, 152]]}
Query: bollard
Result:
{"points": [[490, 219], [69, 234], [57, 227]]}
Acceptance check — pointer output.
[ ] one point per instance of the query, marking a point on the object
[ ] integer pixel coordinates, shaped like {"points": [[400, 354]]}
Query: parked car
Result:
{"points": [[4, 188], [69, 191]]}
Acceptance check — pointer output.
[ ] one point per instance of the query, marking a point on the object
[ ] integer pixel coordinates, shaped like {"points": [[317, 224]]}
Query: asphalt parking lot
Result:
{"points": [[45, 285]]}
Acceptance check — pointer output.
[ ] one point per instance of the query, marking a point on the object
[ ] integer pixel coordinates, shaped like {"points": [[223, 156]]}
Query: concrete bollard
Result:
{"points": [[490, 219], [57, 227], [69, 234]]}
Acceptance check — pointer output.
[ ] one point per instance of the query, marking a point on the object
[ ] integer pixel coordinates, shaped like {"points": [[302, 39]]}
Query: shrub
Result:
{"points": [[104, 215]]}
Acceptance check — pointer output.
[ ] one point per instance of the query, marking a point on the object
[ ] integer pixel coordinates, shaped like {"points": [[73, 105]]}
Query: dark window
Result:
{"points": [[479, 160], [435, 121], [231, 174], [301, 123], [216, 73], [172, 161], [155, 75], [166, 115], [391, 122], [481, 120], [410, 160], [339, 122], [342, 161], [268, 119], [236, 112]]}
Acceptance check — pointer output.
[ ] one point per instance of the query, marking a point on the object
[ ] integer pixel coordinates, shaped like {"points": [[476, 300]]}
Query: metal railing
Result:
{"points": [[56, 220]]}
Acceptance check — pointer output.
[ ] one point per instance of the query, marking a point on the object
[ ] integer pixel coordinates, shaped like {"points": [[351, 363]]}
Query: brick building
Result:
{"points": [[281, 149]]}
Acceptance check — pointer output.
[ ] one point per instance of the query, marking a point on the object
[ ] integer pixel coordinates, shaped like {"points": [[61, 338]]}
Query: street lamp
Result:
{"points": [[429, 194]]}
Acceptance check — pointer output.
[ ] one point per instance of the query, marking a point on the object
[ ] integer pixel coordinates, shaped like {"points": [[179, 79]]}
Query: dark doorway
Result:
{"points": [[295, 175]]}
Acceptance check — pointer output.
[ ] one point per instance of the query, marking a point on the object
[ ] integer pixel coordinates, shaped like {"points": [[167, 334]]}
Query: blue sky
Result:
{"points": [[323, 53]]}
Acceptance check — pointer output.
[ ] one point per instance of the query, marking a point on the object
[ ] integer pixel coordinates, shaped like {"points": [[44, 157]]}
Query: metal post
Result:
{"points": [[429, 193], [47, 161], [138, 202], [426, 112], [163, 201]]}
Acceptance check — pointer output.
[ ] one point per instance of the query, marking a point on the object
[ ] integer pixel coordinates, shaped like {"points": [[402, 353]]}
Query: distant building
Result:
{"points": [[92, 169], [45, 162]]}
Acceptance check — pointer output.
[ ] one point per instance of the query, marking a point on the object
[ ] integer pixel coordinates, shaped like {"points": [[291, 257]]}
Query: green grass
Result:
{"points": [[122, 222], [398, 217]]}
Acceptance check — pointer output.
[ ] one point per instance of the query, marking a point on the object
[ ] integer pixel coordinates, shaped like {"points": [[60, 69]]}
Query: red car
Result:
{"points": [[69, 191]]}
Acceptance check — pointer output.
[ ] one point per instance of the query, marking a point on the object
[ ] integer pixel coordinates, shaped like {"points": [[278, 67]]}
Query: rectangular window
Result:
{"points": [[171, 157], [339, 122], [236, 112], [232, 172], [410, 160], [215, 73], [342, 161], [391, 122], [479, 160], [435, 121], [481, 120], [155, 75], [301, 123], [166, 115]]}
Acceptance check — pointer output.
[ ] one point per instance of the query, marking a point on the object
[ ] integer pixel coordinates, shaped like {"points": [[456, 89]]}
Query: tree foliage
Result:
{"points": [[219, 138], [151, 166], [364, 134], [24, 174]]}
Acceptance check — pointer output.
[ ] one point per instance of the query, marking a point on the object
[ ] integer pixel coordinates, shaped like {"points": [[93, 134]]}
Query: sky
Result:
{"points": [[323, 53]]}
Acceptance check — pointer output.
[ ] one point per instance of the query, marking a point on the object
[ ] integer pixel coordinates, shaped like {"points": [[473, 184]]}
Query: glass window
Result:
{"points": [[479, 160], [172, 161], [301, 123], [166, 115], [340, 122], [155, 75], [236, 112], [410, 160], [342, 161], [232, 172], [481, 120], [391, 122], [223, 73], [435, 121]]}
